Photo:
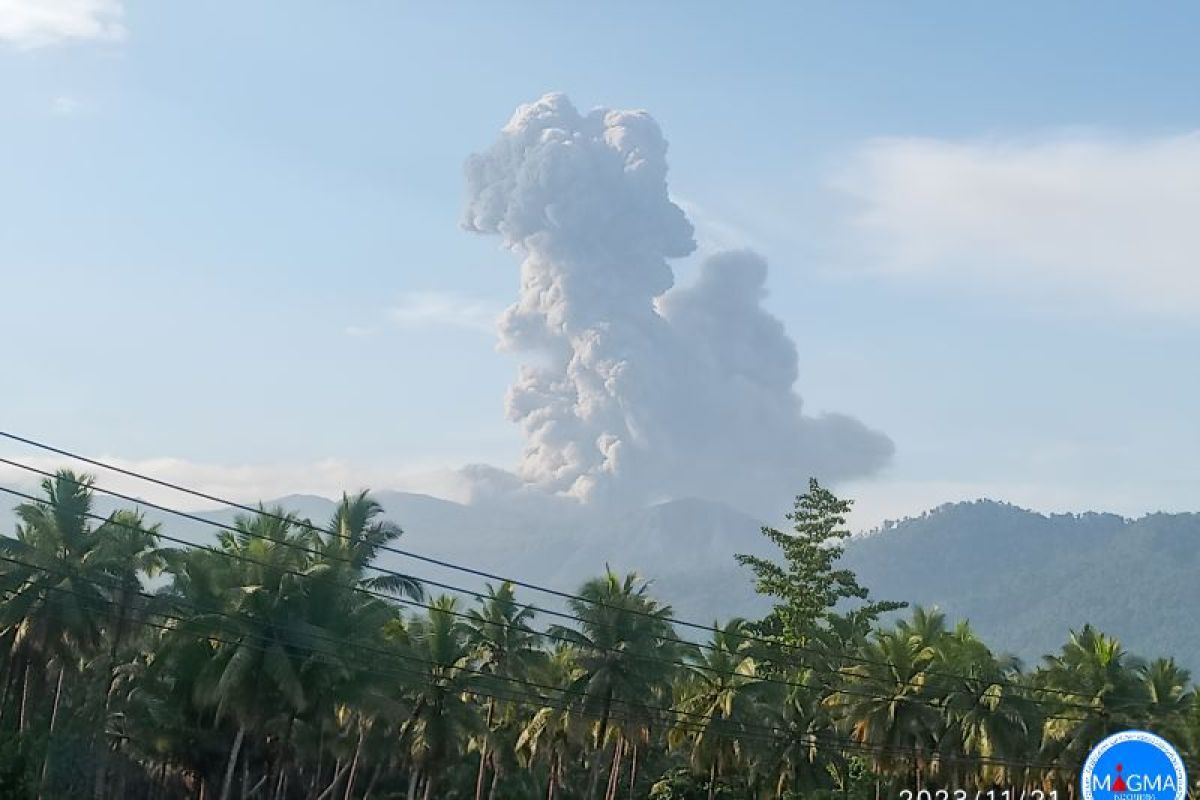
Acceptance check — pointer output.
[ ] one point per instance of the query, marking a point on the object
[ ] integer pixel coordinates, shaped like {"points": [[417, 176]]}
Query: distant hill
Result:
{"points": [[1022, 578], [685, 546]]}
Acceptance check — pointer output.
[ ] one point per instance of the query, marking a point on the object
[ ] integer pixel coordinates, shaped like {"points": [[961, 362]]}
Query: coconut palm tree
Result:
{"points": [[299, 643], [1170, 698], [351, 673], [555, 733], [988, 717], [355, 536], [884, 705], [128, 548], [443, 715], [505, 648], [1097, 688], [51, 577], [249, 598], [797, 757], [350, 703], [623, 652], [719, 696]]}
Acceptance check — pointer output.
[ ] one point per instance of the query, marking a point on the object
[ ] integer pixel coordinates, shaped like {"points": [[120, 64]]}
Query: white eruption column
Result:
{"points": [[641, 392]]}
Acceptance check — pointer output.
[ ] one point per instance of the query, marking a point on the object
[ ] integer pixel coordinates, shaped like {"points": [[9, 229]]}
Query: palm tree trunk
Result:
{"points": [[282, 765], [100, 783], [110, 679], [123, 780], [495, 778], [10, 671], [614, 774], [429, 782], [50, 739], [337, 768], [227, 782], [552, 780], [338, 774], [594, 779], [23, 715], [374, 780], [712, 780], [633, 770], [400, 740], [483, 750], [253, 790], [354, 763], [479, 775], [316, 777]]}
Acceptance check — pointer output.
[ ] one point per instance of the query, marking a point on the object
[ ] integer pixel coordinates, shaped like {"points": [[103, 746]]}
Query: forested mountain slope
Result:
{"points": [[1022, 578]]}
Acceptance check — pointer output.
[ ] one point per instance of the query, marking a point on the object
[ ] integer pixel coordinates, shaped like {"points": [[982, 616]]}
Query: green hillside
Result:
{"points": [[1023, 578]]}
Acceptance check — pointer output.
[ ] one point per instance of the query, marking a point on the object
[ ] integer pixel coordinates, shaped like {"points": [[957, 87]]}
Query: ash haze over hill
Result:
{"points": [[1022, 578], [639, 391]]}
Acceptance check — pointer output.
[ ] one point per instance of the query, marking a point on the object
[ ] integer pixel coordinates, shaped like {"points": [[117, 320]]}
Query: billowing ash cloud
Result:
{"points": [[640, 391]]}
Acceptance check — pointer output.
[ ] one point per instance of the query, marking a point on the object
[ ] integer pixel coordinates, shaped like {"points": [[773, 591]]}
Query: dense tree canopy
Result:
{"points": [[280, 662]]}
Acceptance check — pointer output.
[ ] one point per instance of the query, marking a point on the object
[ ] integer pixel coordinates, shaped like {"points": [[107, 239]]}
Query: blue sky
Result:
{"points": [[230, 250]]}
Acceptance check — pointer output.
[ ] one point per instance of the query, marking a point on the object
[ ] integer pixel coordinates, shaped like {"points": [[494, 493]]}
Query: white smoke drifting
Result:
{"points": [[641, 392]]}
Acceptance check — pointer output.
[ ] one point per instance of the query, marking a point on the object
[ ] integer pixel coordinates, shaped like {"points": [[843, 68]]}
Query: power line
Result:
{"points": [[308, 525], [320, 657], [331, 639], [848, 691], [772, 733], [831, 672], [548, 634], [345, 642], [450, 565]]}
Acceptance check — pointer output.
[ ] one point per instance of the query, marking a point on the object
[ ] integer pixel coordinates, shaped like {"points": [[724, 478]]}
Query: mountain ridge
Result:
{"points": [[1023, 578]]}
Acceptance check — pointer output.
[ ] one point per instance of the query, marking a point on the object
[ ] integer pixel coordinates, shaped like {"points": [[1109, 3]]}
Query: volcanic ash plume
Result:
{"points": [[641, 391]]}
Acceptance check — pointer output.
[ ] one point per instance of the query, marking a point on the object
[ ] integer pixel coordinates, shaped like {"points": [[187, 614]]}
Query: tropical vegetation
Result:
{"points": [[280, 660]]}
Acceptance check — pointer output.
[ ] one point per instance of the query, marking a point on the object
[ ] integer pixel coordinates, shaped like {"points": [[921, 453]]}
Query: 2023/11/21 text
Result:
{"points": [[978, 794]]}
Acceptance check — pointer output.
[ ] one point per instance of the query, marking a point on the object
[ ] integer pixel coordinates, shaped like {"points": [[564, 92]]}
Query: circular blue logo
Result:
{"points": [[1133, 765]]}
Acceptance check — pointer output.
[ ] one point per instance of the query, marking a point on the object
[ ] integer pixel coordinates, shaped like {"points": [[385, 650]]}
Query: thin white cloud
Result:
{"points": [[28, 24], [717, 231], [65, 106], [1081, 220], [430, 308]]}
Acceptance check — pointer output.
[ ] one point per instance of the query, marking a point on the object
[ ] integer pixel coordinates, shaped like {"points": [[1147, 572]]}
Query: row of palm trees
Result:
{"points": [[278, 664]]}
